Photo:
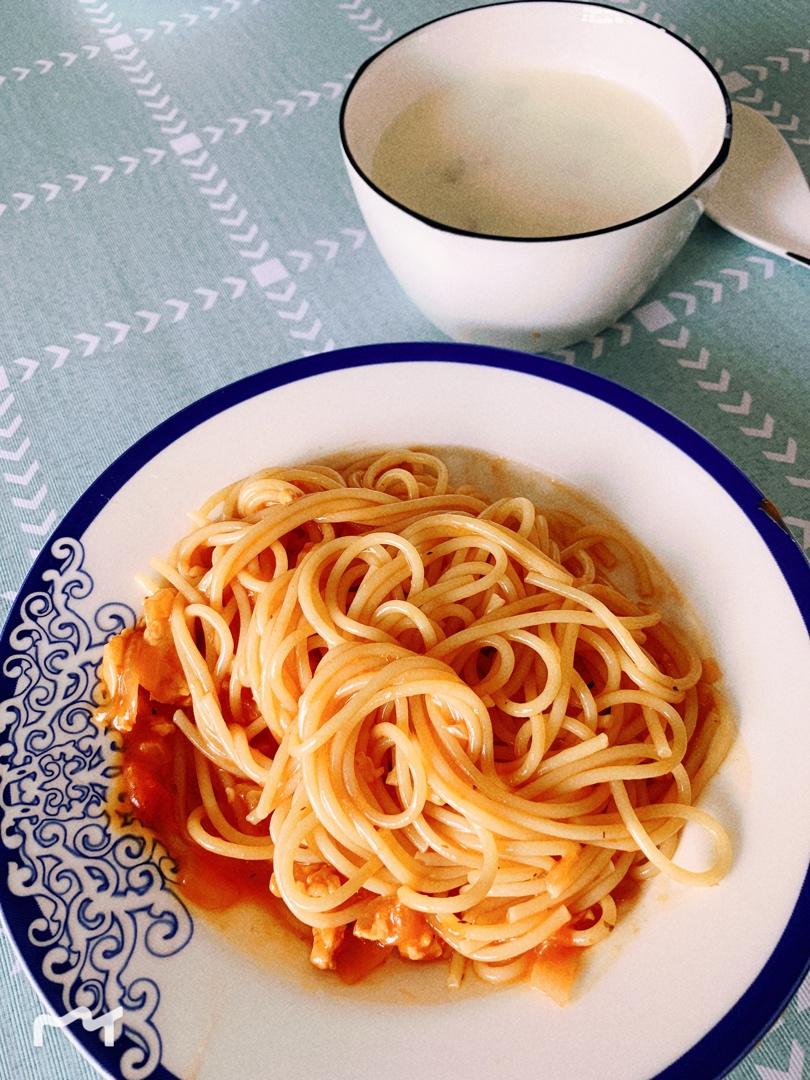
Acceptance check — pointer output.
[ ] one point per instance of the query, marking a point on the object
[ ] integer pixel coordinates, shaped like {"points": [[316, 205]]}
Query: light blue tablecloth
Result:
{"points": [[174, 214]]}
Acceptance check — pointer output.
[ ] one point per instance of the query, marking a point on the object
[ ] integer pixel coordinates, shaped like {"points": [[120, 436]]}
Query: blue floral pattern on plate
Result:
{"points": [[98, 895]]}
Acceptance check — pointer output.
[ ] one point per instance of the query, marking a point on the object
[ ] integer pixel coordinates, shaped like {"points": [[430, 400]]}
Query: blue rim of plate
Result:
{"points": [[752, 1015]]}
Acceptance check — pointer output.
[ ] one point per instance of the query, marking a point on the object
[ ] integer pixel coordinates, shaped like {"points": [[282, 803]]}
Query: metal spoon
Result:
{"points": [[762, 194]]}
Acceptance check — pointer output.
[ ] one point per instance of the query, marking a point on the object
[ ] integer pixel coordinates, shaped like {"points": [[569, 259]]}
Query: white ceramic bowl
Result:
{"points": [[686, 984], [533, 294]]}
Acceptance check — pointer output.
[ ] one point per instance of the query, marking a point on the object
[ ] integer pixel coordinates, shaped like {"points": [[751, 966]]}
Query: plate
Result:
{"points": [[687, 983]]}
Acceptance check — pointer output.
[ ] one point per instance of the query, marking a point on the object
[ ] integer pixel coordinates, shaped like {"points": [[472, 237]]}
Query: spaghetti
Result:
{"points": [[443, 721]]}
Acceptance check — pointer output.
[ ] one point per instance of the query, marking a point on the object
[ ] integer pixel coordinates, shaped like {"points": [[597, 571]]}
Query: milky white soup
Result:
{"points": [[537, 153]]}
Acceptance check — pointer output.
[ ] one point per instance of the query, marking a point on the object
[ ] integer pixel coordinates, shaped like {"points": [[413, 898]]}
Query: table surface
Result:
{"points": [[174, 214]]}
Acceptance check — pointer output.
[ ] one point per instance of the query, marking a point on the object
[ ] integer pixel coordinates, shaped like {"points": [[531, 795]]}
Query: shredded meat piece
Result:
{"points": [[320, 879], [387, 921], [142, 657]]}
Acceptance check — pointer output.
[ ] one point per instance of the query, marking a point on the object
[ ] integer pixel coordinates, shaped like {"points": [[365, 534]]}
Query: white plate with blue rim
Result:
{"points": [[684, 987]]}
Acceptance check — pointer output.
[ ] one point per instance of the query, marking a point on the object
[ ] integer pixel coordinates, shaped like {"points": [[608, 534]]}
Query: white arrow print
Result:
{"points": [[382, 38], [7, 432], [217, 190], [130, 163], [741, 277], [688, 299], [795, 1069], [216, 134], [625, 330], [120, 57], [164, 101], [210, 296], [328, 347], [741, 409], [286, 106], [16, 455], [43, 528], [799, 481], [61, 354], [29, 365], [234, 222], [91, 342], [680, 342], [764, 432], [121, 330], [799, 523], [782, 61], [761, 72], [167, 25], [52, 189], [720, 386], [358, 237], [6, 404], [196, 162], [104, 172], [334, 89], [91, 50], [304, 259], [311, 95], [23, 73], [792, 126], [767, 264], [774, 111], [716, 289], [752, 99], [239, 285], [789, 455], [153, 92], [212, 11], [282, 297], [34, 502], [362, 15], [20, 479], [142, 80], [296, 315], [371, 27], [152, 319], [205, 177], [350, 5], [598, 347], [190, 18], [804, 53], [245, 238], [3, 208], [331, 248], [24, 198], [44, 66], [700, 364], [134, 69], [308, 335], [156, 155], [70, 58], [263, 114], [259, 253], [239, 124], [227, 206], [176, 129], [79, 181], [181, 308], [167, 118]]}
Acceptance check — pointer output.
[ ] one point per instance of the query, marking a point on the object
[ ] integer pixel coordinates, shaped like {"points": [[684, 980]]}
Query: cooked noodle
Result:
{"points": [[446, 723]]}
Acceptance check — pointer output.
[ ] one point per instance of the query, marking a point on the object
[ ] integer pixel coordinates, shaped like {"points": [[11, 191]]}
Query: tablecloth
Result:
{"points": [[174, 214]]}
